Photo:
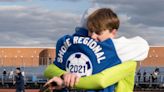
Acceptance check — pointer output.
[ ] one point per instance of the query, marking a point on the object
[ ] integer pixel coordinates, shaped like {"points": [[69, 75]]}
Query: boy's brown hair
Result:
{"points": [[102, 19]]}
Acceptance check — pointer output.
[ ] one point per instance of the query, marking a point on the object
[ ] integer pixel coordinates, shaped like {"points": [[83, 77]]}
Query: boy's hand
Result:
{"points": [[70, 79], [58, 83]]}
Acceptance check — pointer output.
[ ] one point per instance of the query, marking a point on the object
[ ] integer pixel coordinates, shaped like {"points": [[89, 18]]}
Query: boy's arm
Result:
{"points": [[107, 77], [135, 48], [52, 70], [98, 81], [126, 84]]}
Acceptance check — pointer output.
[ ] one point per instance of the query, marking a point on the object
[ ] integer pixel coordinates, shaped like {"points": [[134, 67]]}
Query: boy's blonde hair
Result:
{"points": [[102, 19]]}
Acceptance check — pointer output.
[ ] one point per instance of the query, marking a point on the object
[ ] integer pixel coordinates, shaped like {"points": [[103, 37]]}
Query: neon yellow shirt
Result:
{"points": [[122, 74]]}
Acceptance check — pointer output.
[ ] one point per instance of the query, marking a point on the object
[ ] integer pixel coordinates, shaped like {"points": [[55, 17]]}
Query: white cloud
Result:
{"points": [[139, 17], [124, 18], [7, 0], [38, 25], [34, 25], [154, 35], [11, 8]]}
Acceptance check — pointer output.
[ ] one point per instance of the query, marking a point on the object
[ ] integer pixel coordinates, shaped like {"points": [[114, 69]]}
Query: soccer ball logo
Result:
{"points": [[79, 63]]}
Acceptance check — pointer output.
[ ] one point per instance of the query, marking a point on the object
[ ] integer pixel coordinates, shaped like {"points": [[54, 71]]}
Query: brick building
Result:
{"points": [[30, 56], [155, 57], [26, 56]]}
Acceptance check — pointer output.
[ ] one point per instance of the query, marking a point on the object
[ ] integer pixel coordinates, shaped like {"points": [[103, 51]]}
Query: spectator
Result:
{"points": [[11, 74], [19, 80], [49, 61], [155, 75], [157, 70], [138, 76], [144, 76], [150, 77], [4, 74]]}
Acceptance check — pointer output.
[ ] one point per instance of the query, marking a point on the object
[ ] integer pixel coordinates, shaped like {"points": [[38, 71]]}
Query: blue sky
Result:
{"points": [[42, 22]]}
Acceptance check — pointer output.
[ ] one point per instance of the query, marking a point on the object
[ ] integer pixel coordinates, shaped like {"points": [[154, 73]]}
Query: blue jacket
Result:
{"points": [[19, 82], [82, 55]]}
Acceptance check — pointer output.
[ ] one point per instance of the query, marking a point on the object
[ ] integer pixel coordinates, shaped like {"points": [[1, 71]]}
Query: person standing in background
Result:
{"points": [[19, 80]]}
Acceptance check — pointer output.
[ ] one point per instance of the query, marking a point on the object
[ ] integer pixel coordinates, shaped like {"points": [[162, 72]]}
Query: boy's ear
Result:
{"points": [[114, 32]]}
